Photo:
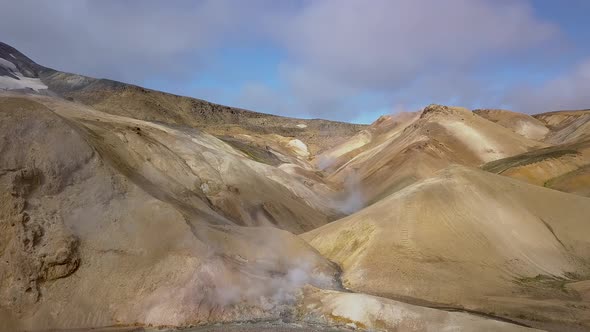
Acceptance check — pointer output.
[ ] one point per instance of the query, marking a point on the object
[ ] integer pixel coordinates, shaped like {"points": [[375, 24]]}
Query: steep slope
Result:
{"points": [[522, 124], [184, 166], [469, 239], [17, 72], [378, 132], [136, 102], [121, 205], [115, 207], [566, 126], [419, 147], [216, 119], [564, 167]]}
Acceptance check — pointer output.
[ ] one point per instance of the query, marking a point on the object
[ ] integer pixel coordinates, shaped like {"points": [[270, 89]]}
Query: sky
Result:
{"points": [[347, 60]]}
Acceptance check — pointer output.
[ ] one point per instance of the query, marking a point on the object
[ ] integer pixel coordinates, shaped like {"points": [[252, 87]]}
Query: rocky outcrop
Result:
{"points": [[130, 212], [33, 249], [443, 110]]}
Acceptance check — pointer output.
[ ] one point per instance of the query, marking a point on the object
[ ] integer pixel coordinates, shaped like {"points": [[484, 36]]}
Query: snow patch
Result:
{"points": [[12, 55], [8, 65], [21, 82], [298, 147], [205, 188], [301, 125], [9, 83]]}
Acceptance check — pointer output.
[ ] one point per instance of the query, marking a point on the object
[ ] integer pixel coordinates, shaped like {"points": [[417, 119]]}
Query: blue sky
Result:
{"points": [[337, 59]]}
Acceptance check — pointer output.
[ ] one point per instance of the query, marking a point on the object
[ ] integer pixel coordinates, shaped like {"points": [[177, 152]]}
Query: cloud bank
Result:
{"points": [[338, 57]]}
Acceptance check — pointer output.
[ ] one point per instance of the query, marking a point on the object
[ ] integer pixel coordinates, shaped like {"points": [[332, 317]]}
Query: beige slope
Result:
{"points": [[145, 104], [441, 136], [187, 167], [564, 167], [566, 126], [519, 123], [97, 230], [271, 149], [98, 227], [379, 131], [468, 238], [575, 182]]}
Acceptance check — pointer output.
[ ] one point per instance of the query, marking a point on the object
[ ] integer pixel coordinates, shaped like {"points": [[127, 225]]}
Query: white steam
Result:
{"points": [[354, 199], [324, 162], [263, 280]]}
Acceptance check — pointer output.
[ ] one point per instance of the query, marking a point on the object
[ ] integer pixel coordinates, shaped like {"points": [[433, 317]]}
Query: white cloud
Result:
{"points": [[124, 40], [569, 91], [383, 43], [411, 51], [335, 50], [260, 97]]}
